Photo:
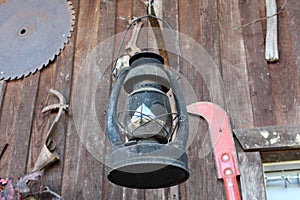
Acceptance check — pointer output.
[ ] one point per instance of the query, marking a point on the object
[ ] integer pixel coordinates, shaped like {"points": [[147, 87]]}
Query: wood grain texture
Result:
{"points": [[170, 14], [201, 159], [252, 176], [269, 138], [278, 156], [187, 24], [21, 129], [256, 94], [209, 26], [284, 78], [257, 68], [294, 29], [292, 14], [82, 177], [7, 119], [233, 62], [236, 76]]}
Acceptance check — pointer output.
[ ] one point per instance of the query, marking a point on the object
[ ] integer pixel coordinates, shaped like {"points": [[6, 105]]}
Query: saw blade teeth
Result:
{"points": [[72, 10], [29, 73]]}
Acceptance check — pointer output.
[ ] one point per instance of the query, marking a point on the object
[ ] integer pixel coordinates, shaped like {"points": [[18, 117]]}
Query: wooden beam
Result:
{"points": [[22, 126], [280, 156], [251, 175], [269, 138], [258, 72]]}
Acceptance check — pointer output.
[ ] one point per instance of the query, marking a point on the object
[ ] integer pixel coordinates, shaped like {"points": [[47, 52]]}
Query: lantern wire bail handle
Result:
{"points": [[149, 15], [112, 127], [149, 6]]}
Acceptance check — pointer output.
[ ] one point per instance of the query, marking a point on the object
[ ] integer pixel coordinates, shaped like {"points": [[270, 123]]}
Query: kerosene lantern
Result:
{"points": [[147, 157]]}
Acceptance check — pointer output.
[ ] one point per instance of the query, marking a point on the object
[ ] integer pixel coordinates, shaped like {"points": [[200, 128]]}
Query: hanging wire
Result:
{"points": [[177, 45], [149, 6]]}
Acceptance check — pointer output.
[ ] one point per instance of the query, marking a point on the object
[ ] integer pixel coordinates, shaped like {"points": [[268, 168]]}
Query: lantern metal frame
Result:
{"points": [[147, 165]]}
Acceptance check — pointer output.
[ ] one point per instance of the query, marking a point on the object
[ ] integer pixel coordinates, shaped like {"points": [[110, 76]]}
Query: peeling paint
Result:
{"points": [[267, 143], [265, 134], [275, 140], [298, 139]]}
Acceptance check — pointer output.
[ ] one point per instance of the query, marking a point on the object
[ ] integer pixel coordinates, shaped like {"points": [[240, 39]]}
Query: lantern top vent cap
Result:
{"points": [[146, 68], [144, 56]]}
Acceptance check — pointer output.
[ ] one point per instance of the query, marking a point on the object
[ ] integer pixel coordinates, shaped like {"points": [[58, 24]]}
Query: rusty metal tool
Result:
{"points": [[222, 143], [157, 32], [131, 47], [47, 155], [32, 33]]}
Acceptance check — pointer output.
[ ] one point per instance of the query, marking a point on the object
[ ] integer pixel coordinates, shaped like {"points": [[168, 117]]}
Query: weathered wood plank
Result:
{"points": [[21, 129], [170, 14], [257, 67], [62, 83], [284, 77], [235, 75], [209, 27], [189, 25], [41, 122], [280, 156], [269, 138], [82, 174], [58, 75], [7, 119], [252, 176], [292, 14], [210, 41], [85, 178], [233, 62], [203, 182], [123, 14], [131, 9]]}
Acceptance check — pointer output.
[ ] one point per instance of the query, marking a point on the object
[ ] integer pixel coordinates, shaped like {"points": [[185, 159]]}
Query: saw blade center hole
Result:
{"points": [[23, 31]]}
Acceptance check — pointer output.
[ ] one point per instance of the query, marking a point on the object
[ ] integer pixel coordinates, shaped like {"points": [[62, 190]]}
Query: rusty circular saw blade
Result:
{"points": [[32, 33]]}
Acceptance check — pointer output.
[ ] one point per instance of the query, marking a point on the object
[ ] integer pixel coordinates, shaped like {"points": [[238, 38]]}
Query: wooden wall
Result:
{"points": [[256, 93]]}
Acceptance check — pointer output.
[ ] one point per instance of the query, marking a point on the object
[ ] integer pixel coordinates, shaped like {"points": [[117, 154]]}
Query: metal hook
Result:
{"points": [[61, 106], [47, 156]]}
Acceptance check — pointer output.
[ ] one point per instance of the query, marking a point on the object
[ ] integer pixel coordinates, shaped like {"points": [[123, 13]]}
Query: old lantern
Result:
{"points": [[144, 155]]}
